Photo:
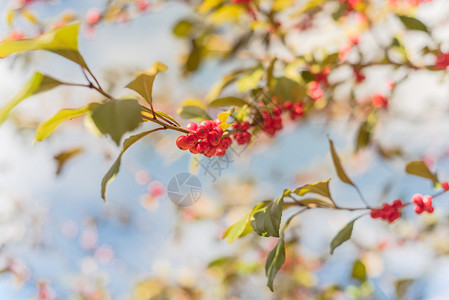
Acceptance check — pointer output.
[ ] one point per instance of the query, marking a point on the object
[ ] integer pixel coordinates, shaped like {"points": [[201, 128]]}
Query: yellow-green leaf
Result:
{"points": [[250, 81], [143, 81], [193, 112], [274, 262], [338, 166], [64, 156], [228, 101], [38, 83], [419, 168], [62, 41], [115, 168], [267, 220], [319, 187], [115, 118], [47, 127], [243, 226], [208, 5], [227, 13], [343, 235]]}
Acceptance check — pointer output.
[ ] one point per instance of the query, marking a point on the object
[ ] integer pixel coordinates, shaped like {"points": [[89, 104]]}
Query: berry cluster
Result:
{"points": [[388, 212], [205, 138], [241, 134], [380, 101], [315, 91], [422, 203], [296, 110], [272, 122]]}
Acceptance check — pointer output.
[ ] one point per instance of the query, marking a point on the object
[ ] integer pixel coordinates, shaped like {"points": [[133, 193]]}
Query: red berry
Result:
{"points": [[445, 186], [208, 124], [219, 131], [192, 126], [93, 16], [203, 147], [181, 142], [277, 123], [213, 138], [244, 126], [288, 105], [217, 121], [193, 149], [277, 110], [211, 151], [236, 126], [192, 138], [202, 132]]}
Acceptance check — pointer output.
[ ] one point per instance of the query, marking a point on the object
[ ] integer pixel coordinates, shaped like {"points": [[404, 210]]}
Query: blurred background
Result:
{"points": [[59, 240]]}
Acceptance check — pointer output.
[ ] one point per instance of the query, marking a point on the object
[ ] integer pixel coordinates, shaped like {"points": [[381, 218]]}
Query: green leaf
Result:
{"points": [[419, 168], [359, 271], [319, 187], [38, 83], [274, 262], [115, 118], [115, 168], [224, 82], [363, 136], [413, 23], [228, 101], [183, 28], [62, 41], [314, 202], [287, 89], [249, 81], [63, 157], [143, 81], [343, 235], [194, 59], [167, 116], [193, 112], [47, 127], [243, 226], [267, 220], [337, 164]]}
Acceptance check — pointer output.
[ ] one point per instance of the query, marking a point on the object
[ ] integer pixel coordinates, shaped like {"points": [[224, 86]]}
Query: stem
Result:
{"points": [[362, 197], [165, 125], [292, 217], [98, 87]]}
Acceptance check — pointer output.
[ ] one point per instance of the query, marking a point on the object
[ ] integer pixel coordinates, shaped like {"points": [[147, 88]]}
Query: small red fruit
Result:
{"points": [[202, 132], [203, 147], [181, 142], [192, 126], [213, 139]]}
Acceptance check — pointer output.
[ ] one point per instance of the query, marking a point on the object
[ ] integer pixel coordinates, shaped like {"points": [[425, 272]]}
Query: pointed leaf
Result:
{"points": [[63, 157], [39, 83], [243, 226], [249, 81], [47, 127], [115, 168], [274, 262], [143, 82], [337, 164], [359, 271], [319, 187], [228, 101], [314, 202], [115, 118], [62, 41], [343, 235], [266, 221], [193, 112], [413, 23], [419, 168]]}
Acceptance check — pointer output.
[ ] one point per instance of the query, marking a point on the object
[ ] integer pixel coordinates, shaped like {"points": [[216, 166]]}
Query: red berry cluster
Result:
{"points": [[241, 134], [445, 185], [315, 91], [422, 203], [272, 123], [205, 138], [296, 110], [388, 212]]}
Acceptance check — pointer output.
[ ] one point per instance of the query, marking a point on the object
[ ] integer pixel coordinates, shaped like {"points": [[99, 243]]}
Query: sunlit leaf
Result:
{"points": [[38, 83], [65, 156], [227, 13], [274, 262], [115, 168], [319, 187], [183, 28], [143, 81], [419, 168], [314, 202], [208, 5], [224, 82], [343, 235], [193, 112], [115, 118], [359, 271], [286, 89], [249, 81], [62, 41], [243, 226], [228, 101], [193, 59], [47, 127], [338, 166], [266, 221]]}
